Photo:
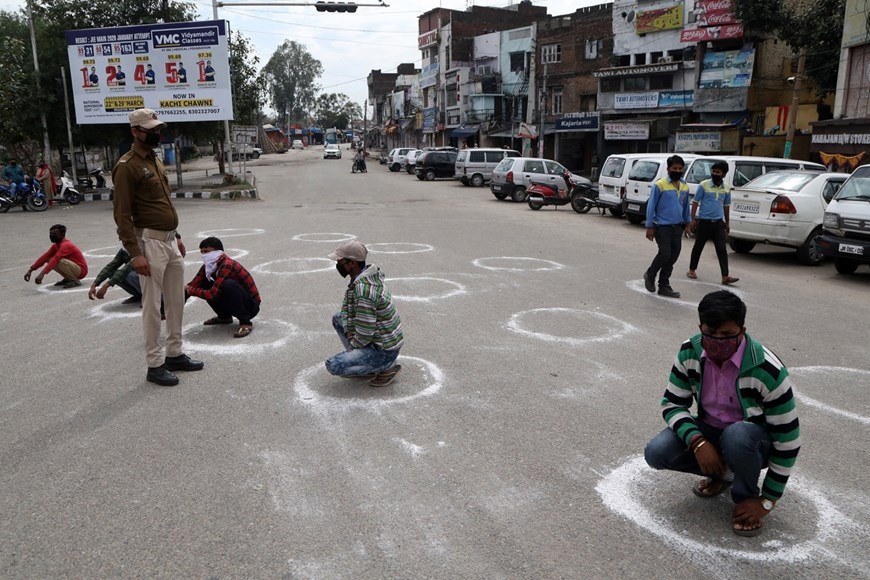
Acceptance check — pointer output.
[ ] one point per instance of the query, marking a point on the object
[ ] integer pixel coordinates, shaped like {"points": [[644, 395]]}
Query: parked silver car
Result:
{"points": [[513, 175]]}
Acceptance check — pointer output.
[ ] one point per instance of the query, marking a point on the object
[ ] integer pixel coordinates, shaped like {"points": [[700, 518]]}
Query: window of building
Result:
{"points": [[518, 61], [635, 84], [661, 83], [593, 48], [640, 59], [557, 101], [623, 60], [551, 53], [451, 95], [610, 85], [655, 57]]}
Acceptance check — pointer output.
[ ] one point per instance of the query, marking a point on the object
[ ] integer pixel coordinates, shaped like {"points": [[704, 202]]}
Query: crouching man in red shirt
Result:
{"points": [[63, 257]]}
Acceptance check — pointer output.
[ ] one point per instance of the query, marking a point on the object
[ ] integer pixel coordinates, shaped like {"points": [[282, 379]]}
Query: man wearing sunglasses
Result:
{"points": [[745, 417], [147, 227]]}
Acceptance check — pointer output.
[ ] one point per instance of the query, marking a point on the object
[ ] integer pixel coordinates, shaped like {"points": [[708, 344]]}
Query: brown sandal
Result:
{"points": [[243, 331], [217, 320], [710, 483]]}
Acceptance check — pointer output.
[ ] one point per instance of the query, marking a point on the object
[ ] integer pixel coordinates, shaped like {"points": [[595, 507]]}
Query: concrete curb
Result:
{"points": [[242, 193]]}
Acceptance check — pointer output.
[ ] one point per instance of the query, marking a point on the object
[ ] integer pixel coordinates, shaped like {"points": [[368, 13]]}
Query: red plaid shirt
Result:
{"points": [[227, 268]]}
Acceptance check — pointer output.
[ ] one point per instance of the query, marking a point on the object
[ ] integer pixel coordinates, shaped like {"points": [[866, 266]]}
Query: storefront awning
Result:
{"points": [[407, 123], [465, 131]]}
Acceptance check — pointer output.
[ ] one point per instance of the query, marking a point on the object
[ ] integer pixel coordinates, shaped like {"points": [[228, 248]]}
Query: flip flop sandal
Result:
{"points": [[385, 378], [699, 491], [729, 280], [749, 533], [243, 331], [691, 276], [217, 320]]}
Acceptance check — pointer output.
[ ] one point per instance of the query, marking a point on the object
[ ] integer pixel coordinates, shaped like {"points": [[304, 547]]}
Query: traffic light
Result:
{"points": [[335, 6]]}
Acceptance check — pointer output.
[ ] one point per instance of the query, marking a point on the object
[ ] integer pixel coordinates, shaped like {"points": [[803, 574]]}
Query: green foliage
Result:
{"points": [[249, 88], [335, 110], [291, 79], [19, 119]]}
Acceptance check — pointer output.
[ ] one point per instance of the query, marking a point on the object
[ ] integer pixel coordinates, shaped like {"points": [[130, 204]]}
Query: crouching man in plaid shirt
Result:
{"points": [[227, 287]]}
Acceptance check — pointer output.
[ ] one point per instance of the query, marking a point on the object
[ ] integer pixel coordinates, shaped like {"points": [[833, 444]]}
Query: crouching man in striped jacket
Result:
{"points": [[368, 324], [745, 421]]}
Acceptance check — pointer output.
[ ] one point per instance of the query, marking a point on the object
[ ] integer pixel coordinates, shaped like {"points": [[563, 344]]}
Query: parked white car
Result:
{"points": [[411, 160], [397, 158], [297, 144], [514, 175], [783, 208]]}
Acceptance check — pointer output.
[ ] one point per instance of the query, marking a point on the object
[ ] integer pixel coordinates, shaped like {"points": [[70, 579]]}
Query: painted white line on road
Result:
{"points": [[107, 310], [195, 333], [623, 488], [50, 288], [230, 233], [92, 253], [456, 289], [638, 286], [336, 238], [414, 451], [397, 248], [516, 323], [266, 267], [511, 264], [850, 374], [370, 399]]}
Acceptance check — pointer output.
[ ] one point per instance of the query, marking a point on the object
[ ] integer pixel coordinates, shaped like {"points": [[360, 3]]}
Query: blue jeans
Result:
{"points": [[744, 447], [131, 285], [358, 361]]}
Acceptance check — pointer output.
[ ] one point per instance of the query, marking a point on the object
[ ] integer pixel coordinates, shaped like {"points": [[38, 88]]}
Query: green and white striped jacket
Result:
{"points": [[766, 396], [368, 312]]}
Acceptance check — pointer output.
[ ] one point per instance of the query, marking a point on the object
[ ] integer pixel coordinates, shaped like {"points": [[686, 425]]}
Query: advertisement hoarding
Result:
{"points": [[660, 19], [727, 69], [179, 69], [710, 33]]}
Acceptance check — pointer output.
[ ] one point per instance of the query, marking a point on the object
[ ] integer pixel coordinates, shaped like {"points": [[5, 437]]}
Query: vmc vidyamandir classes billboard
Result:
{"points": [[179, 69]]}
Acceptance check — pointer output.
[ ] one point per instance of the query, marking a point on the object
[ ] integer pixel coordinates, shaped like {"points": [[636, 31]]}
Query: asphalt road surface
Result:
{"points": [[510, 445]]}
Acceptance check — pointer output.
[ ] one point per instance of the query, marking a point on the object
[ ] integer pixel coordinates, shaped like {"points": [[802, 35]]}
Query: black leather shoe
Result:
{"points": [[183, 362], [666, 291], [648, 282], [161, 376]]}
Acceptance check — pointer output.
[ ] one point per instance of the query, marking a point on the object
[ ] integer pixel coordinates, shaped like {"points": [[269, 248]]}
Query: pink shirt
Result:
{"points": [[719, 390]]}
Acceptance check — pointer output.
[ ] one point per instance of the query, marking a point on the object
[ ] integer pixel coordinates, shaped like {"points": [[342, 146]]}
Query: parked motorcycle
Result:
{"points": [[96, 175], [28, 195], [66, 192], [541, 194], [586, 199]]}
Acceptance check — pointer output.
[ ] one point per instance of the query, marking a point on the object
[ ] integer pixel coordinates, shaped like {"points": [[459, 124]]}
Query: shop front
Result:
{"points": [[576, 141], [841, 144]]}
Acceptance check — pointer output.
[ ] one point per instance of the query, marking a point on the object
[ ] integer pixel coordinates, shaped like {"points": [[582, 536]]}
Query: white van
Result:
{"points": [[846, 236], [742, 169], [614, 174], [641, 178], [474, 166]]}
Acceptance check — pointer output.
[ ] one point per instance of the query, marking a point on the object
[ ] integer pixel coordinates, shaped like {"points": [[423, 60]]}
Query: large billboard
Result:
{"points": [[729, 69], [179, 69]]}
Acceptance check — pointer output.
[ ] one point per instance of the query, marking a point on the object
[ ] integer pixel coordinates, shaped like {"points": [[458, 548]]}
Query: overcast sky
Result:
{"points": [[348, 45]]}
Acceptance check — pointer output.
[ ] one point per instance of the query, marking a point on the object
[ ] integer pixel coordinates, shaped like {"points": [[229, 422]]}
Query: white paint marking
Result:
{"points": [[234, 253], [107, 310], [825, 407], [232, 346], [414, 451], [515, 325], [457, 290], [334, 240], [265, 268], [309, 396], [621, 489], [638, 286], [93, 252], [50, 288], [412, 248], [543, 265], [231, 233]]}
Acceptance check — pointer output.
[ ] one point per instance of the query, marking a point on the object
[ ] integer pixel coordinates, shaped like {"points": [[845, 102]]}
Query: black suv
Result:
{"points": [[432, 164]]}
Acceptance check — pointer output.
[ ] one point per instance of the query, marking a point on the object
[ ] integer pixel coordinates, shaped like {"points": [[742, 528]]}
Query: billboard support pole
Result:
{"points": [[227, 142], [72, 153], [45, 143]]}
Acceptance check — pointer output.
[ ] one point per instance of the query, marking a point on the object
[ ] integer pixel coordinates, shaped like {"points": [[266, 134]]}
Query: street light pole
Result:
{"points": [[45, 143]]}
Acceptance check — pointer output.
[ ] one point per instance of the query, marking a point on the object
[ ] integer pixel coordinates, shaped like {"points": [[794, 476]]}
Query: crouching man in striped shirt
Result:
{"points": [[368, 324], [746, 419]]}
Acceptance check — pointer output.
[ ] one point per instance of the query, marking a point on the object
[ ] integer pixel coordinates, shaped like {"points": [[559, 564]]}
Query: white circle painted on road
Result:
{"points": [[623, 489], [418, 378], [234, 253], [275, 333], [295, 266], [335, 237], [638, 286], [618, 328], [848, 373], [231, 233], [93, 253], [513, 264], [453, 288], [398, 248], [50, 288], [107, 310]]}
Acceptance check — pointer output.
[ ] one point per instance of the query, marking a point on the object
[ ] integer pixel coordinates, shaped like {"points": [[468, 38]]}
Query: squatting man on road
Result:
{"points": [[745, 421], [62, 257], [368, 324]]}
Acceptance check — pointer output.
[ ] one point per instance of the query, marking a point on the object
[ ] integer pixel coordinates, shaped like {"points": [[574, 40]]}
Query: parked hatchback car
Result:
{"points": [[432, 164], [332, 151], [783, 208], [410, 164], [474, 166], [514, 175], [397, 158], [297, 144]]}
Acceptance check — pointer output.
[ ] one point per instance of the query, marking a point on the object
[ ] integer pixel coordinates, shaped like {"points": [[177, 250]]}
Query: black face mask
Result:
{"points": [[55, 238], [675, 175], [344, 273], [152, 139], [716, 179]]}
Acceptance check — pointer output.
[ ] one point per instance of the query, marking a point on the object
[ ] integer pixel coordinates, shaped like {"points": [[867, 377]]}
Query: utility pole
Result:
{"points": [[541, 112], [72, 152], [227, 142], [365, 123], [532, 89], [795, 103], [45, 144]]}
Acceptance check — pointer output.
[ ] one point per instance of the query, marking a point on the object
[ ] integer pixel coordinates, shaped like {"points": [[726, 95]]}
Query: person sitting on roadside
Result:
{"points": [[63, 257], [227, 287], [118, 272]]}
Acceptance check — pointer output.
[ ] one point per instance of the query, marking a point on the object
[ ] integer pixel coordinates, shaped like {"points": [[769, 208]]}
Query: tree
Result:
{"points": [[20, 126], [335, 110], [249, 88], [814, 25], [291, 78]]}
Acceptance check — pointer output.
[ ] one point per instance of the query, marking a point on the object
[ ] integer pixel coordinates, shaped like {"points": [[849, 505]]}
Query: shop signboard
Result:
{"points": [[584, 121], [636, 100], [698, 142], [626, 131]]}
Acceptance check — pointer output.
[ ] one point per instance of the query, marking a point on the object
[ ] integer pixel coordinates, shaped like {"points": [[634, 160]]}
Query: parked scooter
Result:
{"points": [[66, 192], [541, 194], [97, 175], [28, 195]]}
